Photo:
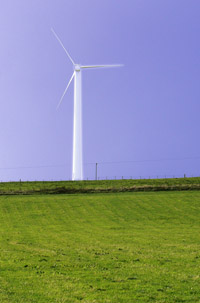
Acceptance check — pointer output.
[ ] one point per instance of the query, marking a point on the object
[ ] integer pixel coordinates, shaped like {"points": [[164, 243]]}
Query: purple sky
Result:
{"points": [[147, 110]]}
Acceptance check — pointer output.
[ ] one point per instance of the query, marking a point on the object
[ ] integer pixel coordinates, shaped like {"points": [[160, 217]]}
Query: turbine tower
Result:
{"points": [[77, 165]]}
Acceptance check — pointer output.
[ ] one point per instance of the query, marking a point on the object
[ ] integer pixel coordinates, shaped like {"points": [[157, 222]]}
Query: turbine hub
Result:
{"points": [[77, 68]]}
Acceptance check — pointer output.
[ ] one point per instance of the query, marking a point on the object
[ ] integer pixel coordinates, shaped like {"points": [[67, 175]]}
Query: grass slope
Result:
{"points": [[60, 187], [122, 247]]}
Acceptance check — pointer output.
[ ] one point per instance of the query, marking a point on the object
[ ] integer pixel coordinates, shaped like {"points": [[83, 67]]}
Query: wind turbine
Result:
{"points": [[77, 165]]}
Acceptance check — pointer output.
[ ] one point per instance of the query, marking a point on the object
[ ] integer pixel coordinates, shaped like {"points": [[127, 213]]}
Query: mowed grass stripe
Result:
{"points": [[122, 247]]}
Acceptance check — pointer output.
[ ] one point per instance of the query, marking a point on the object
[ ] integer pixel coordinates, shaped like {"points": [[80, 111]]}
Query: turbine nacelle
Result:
{"points": [[77, 67]]}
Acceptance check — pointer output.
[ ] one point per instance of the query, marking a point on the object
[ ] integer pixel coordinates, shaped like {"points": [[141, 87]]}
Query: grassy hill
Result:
{"points": [[70, 187], [122, 247]]}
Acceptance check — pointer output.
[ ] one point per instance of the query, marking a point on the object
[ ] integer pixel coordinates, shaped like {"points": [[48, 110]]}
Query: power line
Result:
{"points": [[102, 163], [28, 167], [152, 160]]}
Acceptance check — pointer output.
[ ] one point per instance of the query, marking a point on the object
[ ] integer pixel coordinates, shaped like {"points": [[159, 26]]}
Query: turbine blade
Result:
{"points": [[62, 46], [65, 90], [102, 66]]}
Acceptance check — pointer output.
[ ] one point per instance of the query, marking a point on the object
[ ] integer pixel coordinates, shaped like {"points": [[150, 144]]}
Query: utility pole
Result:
{"points": [[96, 171]]}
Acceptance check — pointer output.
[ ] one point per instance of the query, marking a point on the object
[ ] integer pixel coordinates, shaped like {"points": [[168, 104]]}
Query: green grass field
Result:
{"points": [[117, 247], [70, 187]]}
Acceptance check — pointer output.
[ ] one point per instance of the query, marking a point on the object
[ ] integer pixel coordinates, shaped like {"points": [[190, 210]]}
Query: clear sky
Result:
{"points": [[146, 112]]}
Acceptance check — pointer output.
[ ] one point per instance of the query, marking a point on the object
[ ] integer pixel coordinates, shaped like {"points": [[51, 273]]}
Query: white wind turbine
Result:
{"points": [[77, 166]]}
